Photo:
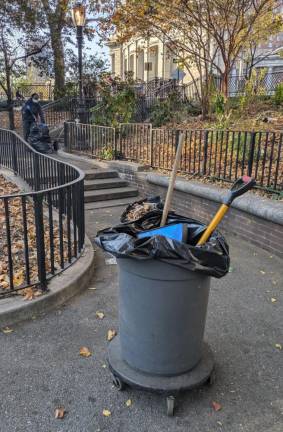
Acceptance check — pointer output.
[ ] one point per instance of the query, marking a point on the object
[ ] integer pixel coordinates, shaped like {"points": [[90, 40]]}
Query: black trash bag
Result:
{"points": [[39, 138], [211, 259]]}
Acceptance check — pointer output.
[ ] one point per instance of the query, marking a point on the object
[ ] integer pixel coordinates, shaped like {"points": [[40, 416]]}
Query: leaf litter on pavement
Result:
{"points": [[60, 413], [216, 406], [111, 334], [85, 352]]}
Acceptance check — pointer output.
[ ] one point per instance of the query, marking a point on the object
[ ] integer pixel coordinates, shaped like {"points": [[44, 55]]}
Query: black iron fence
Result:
{"points": [[42, 230], [91, 140], [261, 85], [217, 154], [67, 109]]}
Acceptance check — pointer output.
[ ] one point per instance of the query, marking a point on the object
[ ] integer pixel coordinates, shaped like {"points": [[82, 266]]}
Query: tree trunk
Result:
{"points": [[59, 62], [225, 83], [10, 99]]}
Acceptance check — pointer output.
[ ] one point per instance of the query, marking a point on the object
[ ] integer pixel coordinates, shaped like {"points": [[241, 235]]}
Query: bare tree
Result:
{"points": [[15, 48]]}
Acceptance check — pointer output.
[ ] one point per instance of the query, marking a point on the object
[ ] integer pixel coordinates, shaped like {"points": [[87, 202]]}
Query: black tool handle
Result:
{"points": [[241, 186]]}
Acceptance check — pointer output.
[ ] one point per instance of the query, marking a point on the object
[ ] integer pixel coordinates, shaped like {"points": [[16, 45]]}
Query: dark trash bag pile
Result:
{"points": [[211, 259], [39, 138]]}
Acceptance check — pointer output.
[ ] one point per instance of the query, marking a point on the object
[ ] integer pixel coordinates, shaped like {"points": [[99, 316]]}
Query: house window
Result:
{"points": [[113, 64], [131, 66], [148, 66]]}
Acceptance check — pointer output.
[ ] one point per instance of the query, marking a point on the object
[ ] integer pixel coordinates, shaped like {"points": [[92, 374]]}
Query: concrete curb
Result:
{"points": [[119, 165], [249, 203], [62, 287]]}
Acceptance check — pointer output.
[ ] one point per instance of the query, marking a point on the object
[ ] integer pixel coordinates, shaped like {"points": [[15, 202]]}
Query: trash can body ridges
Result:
{"points": [[162, 315]]}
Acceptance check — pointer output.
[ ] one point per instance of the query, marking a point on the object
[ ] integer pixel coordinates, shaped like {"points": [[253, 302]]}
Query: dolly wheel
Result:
{"points": [[212, 378], [118, 383], [170, 405]]}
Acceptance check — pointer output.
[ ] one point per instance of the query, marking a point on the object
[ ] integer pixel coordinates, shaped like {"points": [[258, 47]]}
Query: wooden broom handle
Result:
{"points": [[169, 195]]}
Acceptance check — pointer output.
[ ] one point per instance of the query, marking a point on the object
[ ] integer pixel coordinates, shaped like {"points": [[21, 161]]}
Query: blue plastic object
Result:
{"points": [[176, 232]]}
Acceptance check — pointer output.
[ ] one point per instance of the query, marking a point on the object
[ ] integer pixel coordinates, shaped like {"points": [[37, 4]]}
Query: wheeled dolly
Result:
{"points": [[170, 386]]}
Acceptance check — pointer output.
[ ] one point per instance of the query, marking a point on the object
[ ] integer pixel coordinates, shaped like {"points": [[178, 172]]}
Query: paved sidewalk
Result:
{"points": [[40, 366]]}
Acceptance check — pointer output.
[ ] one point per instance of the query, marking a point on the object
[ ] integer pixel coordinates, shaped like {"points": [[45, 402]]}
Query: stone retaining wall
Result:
{"points": [[258, 220]]}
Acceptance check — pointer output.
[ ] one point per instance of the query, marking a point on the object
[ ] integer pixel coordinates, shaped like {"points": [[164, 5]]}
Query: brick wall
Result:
{"points": [[258, 231]]}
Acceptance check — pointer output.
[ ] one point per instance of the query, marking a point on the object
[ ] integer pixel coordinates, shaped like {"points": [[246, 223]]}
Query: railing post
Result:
{"points": [[14, 154], [151, 145], [205, 148], [251, 153], [40, 248], [67, 141], [36, 172], [118, 141], [115, 138]]}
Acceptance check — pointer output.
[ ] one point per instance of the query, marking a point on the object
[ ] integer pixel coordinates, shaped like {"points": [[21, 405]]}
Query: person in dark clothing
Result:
{"points": [[31, 113], [19, 96]]}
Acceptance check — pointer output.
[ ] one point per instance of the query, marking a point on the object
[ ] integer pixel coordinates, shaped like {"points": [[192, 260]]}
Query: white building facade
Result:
{"points": [[145, 59]]}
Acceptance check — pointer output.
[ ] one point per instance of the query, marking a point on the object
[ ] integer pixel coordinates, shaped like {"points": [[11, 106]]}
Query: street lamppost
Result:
{"points": [[79, 18]]}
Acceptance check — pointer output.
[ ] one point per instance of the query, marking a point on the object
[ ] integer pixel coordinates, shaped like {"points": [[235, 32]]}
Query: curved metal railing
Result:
{"points": [[43, 229]]}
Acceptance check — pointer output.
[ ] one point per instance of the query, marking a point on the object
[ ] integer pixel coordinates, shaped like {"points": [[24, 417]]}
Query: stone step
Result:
{"points": [[107, 183], [100, 174], [110, 194], [122, 202]]}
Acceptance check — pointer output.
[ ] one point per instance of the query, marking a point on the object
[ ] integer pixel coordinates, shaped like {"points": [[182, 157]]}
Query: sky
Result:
{"points": [[94, 48]]}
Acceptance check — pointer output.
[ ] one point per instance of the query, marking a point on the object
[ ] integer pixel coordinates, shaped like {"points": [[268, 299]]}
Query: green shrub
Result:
{"points": [[115, 108], [107, 153], [219, 104], [169, 110], [254, 87], [223, 120], [278, 96]]}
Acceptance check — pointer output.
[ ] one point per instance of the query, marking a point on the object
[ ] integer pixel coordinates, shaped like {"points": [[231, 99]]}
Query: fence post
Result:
{"points": [[40, 249], [205, 147], [251, 153], [118, 142], [14, 155], [115, 137], [151, 145], [67, 143], [36, 172]]}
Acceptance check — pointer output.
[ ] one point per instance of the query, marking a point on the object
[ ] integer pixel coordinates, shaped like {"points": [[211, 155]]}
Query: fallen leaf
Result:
{"points": [[18, 278], [128, 403], [216, 406], [273, 300], [29, 294], [7, 330], [85, 352], [60, 413], [111, 334], [99, 315], [106, 413], [278, 346]]}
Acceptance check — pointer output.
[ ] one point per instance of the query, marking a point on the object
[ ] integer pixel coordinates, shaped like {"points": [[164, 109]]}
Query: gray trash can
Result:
{"points": [[162, 314], [163, 296]]}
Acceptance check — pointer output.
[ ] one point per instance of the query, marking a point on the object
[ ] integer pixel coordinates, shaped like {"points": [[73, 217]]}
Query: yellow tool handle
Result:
{"points": [[213, 224]]}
